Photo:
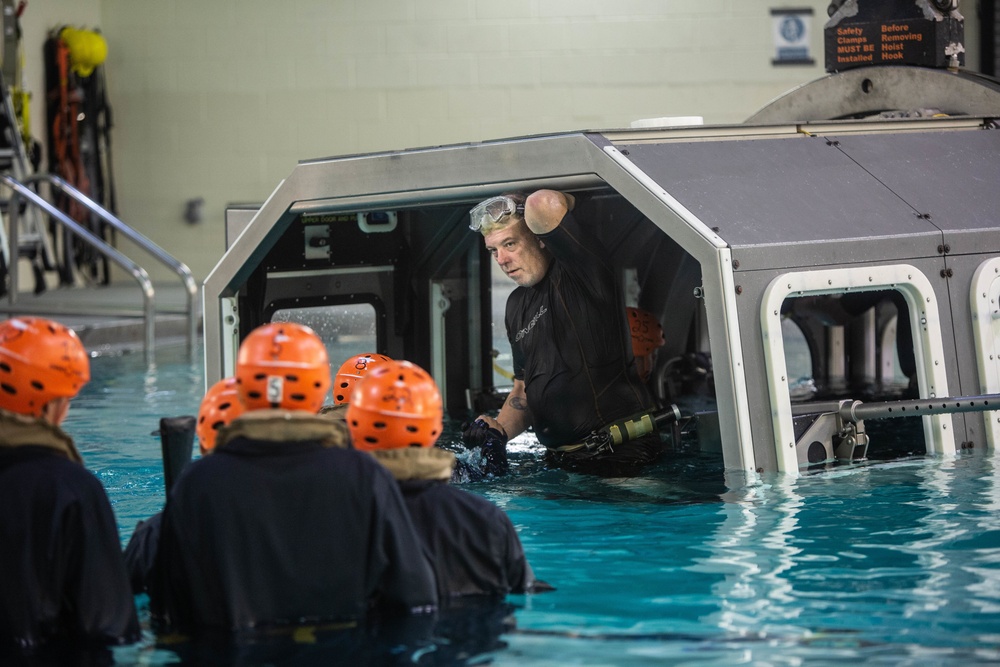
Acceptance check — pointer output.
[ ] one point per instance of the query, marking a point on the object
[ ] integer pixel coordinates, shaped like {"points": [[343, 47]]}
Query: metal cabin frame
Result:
{"points": [[752, 218]]}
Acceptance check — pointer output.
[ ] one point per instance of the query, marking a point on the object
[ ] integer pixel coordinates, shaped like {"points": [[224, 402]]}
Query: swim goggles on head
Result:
{"points": [[492, 210]]}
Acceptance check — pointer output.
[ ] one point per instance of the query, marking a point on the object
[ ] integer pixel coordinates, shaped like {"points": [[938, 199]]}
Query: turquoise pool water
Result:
{"points": [[894, 562]]}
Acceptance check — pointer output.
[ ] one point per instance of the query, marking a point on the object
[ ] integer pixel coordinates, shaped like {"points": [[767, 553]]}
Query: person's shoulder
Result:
{"points": [[359, 462], [473, 501], [205, 470], [72, 476], [204, 463]]}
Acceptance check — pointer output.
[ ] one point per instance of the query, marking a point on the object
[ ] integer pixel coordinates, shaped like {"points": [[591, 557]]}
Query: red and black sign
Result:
{"points": [[894, 33]]}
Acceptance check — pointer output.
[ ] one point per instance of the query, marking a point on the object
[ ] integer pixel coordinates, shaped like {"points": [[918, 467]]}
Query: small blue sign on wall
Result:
{"points": [[792, 29]]}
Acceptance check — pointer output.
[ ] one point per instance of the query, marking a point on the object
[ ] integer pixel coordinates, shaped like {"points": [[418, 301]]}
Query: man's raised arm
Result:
{"points": [[544, 210]]}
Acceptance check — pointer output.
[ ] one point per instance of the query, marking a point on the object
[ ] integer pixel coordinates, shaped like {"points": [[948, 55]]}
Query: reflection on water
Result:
{"points": [[892, 561]]}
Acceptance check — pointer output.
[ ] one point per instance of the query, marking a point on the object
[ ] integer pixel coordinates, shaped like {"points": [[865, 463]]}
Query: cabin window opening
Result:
{"points": [[851, 345], [345, 329], [848, 345]]}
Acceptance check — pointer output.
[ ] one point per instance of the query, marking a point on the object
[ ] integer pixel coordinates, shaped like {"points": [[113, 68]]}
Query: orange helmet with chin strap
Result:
{"points": [[40, 360], [282, 365], [353, 370], [220, 406], [395, 405]]}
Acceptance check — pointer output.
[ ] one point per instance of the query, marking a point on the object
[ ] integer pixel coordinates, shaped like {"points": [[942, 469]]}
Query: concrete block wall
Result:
{"points": [[219, 99]]}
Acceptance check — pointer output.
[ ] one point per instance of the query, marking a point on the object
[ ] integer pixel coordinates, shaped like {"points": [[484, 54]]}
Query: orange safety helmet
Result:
{"points": [[220, 406], [283, 365], [351, 371], [395, 405], [39, 360]]}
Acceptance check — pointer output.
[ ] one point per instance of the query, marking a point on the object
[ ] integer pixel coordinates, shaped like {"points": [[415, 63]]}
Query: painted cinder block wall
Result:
{"points": [[219, 99]]}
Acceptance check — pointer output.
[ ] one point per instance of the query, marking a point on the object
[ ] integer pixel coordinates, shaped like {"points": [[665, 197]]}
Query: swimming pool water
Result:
{"points": [[885, 562]]}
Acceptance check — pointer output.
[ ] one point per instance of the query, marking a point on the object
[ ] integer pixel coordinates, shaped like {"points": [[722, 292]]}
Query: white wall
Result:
{"points": [[220, 98]]}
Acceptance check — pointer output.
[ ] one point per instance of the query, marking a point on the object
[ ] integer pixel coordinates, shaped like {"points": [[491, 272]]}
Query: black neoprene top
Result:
{"points": [[570, 341]]}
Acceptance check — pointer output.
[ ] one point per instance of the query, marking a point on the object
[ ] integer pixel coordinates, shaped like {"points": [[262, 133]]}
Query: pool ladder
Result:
{"points": [[29, 239], [25, 190]]}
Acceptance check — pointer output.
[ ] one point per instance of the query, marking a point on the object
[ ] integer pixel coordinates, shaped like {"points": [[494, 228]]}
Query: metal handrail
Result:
{"points": [[168, 260], [137, 272]]}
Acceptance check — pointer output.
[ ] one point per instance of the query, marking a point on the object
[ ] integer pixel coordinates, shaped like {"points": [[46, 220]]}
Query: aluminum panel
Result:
{"points": [[951, 177], [782, 191]]}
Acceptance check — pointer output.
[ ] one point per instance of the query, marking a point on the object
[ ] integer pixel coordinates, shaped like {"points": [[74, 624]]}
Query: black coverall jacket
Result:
{"points": [[282, 525], [62, 577], [471, 542]]}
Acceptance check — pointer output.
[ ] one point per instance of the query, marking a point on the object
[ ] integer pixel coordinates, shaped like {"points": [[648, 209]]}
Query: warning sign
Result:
{"points": [[878, 36]]}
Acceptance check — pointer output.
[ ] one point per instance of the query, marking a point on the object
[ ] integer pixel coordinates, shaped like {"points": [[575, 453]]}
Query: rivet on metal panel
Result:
{"points": [[739, 289], [624, 151], [736, 263]]}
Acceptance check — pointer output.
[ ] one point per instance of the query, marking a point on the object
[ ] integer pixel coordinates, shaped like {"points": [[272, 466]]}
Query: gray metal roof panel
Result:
{"points": [[776, 191], [952, 177]]}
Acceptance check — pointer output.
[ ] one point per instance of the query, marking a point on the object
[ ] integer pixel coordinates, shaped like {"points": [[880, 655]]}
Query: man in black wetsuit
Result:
{"points": [[573, 364], [284, 524], [64, 584]]}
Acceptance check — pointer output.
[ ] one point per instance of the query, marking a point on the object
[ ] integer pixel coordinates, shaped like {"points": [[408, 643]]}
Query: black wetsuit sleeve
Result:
{"points": [[406, 581], [581, 255], [98, 591]]}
